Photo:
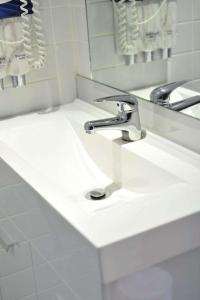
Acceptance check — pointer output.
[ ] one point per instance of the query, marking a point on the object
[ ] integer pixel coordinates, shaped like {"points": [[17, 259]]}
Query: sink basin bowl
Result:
{"points": [[59, 150], [156, 181]]}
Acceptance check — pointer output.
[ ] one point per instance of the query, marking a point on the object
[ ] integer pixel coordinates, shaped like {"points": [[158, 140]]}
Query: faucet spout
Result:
{"points": [[127, 119], [95, 125]]}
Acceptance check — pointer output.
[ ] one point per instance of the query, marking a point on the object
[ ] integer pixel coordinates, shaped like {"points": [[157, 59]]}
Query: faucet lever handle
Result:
{"points": [[122, 100]]}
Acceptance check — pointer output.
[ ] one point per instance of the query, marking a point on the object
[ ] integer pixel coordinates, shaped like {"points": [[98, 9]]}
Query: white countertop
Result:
{"points": [[38, 146]]}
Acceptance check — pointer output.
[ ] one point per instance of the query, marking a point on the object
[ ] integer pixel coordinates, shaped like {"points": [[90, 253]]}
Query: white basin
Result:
{"points": [[158, 181]]}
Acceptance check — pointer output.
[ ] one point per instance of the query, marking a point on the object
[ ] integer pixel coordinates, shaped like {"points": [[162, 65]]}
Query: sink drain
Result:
{"points": [[101, 194], [97, 194]]}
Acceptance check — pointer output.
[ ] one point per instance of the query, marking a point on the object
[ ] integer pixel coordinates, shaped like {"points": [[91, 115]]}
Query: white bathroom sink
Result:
{"points": [[58, 149], [157, 180]]}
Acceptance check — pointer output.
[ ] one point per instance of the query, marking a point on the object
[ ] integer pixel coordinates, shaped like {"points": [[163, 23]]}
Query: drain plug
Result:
{"points": [[97, 194]]}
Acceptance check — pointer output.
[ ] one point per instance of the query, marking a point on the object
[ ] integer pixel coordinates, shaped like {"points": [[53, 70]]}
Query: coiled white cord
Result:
{"points": [[39, 61]]}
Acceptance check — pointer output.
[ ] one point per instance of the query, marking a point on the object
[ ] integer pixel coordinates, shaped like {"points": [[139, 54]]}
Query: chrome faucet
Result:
{"points": [[161, 96], [127, 119]]}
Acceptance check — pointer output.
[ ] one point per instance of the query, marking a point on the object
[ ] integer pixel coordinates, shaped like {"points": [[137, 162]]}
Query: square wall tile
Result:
{"points": [[7, 175], [181, 67], [18, 199], [19, 285], [185, 10], [62, 24], [61, 292], [33, 224], [9, 233], [16, 261], [46, 278]]}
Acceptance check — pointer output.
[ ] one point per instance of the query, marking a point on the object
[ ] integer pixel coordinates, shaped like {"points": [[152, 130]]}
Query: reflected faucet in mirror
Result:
{"points": [[161, 96], [127, 119], [136, 46]]}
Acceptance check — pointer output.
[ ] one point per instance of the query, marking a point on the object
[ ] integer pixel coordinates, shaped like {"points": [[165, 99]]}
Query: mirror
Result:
{"points": [[138, 45]]}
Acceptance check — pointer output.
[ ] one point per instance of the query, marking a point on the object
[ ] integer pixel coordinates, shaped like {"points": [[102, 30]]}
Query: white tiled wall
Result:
{"points": [[111, 69], [65, 28], [186, 59], [50, 260]]}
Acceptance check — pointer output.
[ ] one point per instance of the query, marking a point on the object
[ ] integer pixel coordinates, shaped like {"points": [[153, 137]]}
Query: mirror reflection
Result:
{"points": [[150, 48]]}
